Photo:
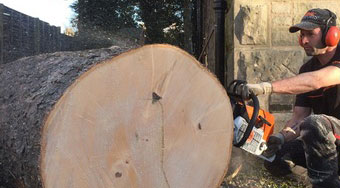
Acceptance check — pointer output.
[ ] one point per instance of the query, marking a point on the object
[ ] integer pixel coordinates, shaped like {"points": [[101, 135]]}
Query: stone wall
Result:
{"points": [[260, 47]]}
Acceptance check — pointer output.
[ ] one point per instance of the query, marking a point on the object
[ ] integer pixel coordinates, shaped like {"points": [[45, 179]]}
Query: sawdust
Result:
{"points": [[247, 171]]}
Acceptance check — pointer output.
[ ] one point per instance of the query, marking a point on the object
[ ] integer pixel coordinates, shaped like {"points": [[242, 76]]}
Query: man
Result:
{"points": [[311, 136]]}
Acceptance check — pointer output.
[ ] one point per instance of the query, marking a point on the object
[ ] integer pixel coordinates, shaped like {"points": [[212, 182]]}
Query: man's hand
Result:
{"points": [[274, 144], [244, 89], [264, 88]]}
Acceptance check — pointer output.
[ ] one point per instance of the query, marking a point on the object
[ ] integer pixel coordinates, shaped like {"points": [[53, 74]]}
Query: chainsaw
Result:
{"points": [[252, 125]]}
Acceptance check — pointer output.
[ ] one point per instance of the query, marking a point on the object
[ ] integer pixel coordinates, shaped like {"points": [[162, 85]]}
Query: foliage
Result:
{"points": [[158, 15], [159, 21], [103, 15]]}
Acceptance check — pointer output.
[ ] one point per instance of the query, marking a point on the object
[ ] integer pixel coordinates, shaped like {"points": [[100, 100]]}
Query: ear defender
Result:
{"points": [[331, 33], [332, 36]]}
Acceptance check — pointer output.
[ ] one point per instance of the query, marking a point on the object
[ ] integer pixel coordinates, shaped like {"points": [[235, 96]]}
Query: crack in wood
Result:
{"points": [[164, 81], [163, 147]]}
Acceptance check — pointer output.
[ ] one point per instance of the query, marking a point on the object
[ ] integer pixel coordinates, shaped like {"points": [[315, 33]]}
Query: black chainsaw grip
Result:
{"points": [[252, 121]]}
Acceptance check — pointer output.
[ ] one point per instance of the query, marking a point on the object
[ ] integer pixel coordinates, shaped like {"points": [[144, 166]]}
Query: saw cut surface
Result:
{"points": [[151, 117]]}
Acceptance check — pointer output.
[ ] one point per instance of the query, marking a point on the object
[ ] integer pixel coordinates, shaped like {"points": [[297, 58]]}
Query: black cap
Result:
{"points": [[315, 18]]}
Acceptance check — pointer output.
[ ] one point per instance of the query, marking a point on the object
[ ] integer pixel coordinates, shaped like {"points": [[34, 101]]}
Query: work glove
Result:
{"points": [[274, 144], [243, 89]]}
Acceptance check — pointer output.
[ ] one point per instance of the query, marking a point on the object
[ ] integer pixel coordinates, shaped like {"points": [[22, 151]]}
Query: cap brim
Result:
{"points": [[304, 26]]}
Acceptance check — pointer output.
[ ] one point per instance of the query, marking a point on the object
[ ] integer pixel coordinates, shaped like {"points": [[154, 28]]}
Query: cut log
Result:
{"points": [[149, 117]]}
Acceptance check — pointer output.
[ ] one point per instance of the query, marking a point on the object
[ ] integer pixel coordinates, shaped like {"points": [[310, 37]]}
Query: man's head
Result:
{"points": [[315, 32]]}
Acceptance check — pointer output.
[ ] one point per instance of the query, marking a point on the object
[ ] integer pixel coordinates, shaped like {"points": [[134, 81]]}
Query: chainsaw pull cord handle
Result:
{"points": [[252, 121]]}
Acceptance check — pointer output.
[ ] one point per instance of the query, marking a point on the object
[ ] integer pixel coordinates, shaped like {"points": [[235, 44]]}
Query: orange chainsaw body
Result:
{"points": [[265, 121]]}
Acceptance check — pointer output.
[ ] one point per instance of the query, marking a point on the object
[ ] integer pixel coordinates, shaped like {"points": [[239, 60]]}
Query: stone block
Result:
{"points": [[281, 103], [294, 60], [264, 101], [281, 120], [279, 21], [283, 7], [267, 65], [282, 99], [282, 37], [300, 8], [252, 24]]}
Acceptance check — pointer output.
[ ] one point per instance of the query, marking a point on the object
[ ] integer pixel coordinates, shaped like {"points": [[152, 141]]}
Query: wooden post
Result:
{"points": [[52, 37], [21, 47], [48, 37], [37, 36], [28, 34], [58, 36], [9, 54], [1, 34], [44, 38]]}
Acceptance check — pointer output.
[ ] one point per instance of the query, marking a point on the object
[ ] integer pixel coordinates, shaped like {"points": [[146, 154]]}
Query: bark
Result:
{"points": [[151, 117], [29, 88]]}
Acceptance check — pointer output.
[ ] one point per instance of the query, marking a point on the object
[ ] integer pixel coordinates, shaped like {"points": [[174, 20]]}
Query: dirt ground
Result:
{"points": [[247, 171]]}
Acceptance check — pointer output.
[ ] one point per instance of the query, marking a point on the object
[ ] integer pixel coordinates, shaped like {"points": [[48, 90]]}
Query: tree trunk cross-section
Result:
{"points": [[149, 117]]}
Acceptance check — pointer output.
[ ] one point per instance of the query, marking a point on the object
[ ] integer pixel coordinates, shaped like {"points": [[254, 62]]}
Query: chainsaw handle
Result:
{"points": [[252, 121]]}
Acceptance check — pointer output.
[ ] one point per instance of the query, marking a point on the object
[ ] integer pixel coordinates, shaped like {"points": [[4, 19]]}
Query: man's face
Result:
{"points": [[310, 40]]}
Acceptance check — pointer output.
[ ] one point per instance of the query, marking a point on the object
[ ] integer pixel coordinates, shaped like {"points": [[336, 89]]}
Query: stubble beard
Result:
{"points": [[314, 51]]}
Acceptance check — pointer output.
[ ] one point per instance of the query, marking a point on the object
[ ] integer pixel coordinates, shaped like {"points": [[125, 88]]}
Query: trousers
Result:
{"points": [[317, 149]]}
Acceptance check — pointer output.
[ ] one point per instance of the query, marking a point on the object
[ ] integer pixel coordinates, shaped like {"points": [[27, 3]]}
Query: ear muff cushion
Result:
{"points": [[332, 36]]}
